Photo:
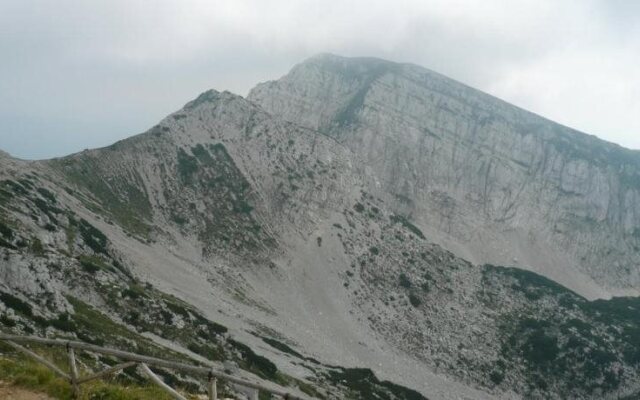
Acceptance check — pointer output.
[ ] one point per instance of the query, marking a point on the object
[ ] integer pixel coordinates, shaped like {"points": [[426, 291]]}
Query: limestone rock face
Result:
{"points": [[487, 180], [334, 222]]}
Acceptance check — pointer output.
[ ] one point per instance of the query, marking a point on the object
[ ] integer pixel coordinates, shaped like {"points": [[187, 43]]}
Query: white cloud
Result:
{"points": [[121, 65]]}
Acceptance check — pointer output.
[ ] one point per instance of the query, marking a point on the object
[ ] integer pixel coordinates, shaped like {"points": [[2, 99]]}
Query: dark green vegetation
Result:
{"points": [[359, 383], [282, 347], [288, 350], [405, 222], [6, 231], [566, 342], [414, 300], [16, 304], [228, 222], [95, 239], [187, 166], [253, 362], [362, 384], [404, 281]]}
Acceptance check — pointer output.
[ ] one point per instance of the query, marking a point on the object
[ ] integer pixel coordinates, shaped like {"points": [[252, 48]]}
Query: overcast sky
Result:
{"points": [[79, 74]]}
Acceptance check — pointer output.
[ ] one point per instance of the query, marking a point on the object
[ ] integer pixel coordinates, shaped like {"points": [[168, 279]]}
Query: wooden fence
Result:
{"points": [[132, 359]]}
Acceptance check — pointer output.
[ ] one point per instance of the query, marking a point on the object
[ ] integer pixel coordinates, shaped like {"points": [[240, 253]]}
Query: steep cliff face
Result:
{"points": [[488, 180]]}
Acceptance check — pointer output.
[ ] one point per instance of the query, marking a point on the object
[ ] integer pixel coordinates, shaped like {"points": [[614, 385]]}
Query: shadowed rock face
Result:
{"points": [[490, 181]]}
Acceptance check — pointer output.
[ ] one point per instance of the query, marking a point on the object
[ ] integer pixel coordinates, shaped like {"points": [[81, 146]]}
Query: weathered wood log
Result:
{"points": [[106, 372], [212, 387], [73, 372], [39, 359]]}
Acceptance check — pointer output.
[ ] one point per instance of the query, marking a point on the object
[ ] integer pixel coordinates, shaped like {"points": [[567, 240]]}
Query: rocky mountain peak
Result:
{"points": [[212, 97], [488, 179], [354, 67], [326, 87]]}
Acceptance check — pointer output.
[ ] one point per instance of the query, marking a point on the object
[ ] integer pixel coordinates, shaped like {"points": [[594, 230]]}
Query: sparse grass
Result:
{"points": [[24, 373], [92, 264], [124, 199]]}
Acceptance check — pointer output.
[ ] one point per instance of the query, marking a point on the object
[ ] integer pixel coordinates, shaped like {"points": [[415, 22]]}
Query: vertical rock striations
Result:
{"points": [[490, 181]]}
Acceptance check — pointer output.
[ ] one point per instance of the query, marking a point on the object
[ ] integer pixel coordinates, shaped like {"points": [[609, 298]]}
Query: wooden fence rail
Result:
{"points": [[132, 359]]}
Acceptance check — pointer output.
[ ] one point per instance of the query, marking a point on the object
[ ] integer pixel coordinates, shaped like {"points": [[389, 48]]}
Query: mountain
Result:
{"points": [[336, 233], [493, 183]]}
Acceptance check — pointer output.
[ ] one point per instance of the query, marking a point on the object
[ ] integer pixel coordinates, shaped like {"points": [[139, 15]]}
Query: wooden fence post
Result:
{"points": [[160, 383], [212, 386], [74, 372]]}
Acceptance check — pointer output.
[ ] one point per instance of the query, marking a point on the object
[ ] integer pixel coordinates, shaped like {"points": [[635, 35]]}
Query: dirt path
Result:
{"points": [[13, 393]]}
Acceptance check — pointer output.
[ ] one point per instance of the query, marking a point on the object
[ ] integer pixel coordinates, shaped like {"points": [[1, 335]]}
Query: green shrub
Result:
{"points": [[404, 281], [282, 347], [36, 247], [256, 363], [178, 309], [405, 222], [89, 264], [15, 187], [214, 353], [187, 166], [47, 195], [496, 377], [16, 304], [540, 348], [4, 243], [94, 238], [414, 300], [134, 292], [7, 321], [364, 382], [202, 154], [63, 323], [6, 231]]}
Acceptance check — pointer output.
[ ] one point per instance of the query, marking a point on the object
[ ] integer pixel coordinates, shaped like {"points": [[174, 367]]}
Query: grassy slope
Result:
{"points": [[22, 372]]}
